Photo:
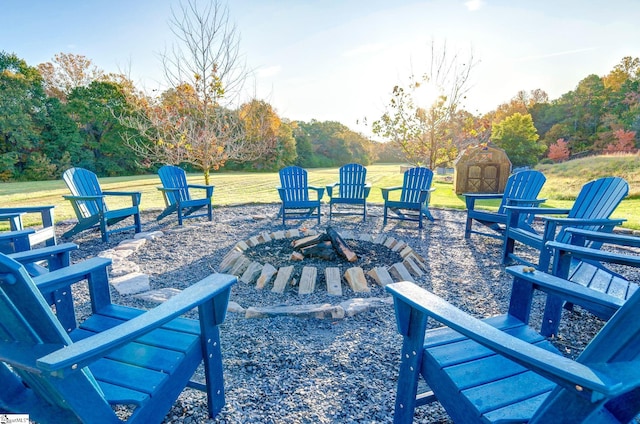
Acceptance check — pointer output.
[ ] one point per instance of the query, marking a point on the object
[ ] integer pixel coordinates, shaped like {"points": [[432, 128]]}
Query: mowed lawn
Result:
{"points": [[236, 188]]}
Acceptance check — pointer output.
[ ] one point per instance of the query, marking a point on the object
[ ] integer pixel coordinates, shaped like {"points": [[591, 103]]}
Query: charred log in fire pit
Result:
{"points": [[325, 245]]}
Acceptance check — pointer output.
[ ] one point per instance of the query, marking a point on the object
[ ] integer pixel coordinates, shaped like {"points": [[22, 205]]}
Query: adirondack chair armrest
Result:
{"points": [[28, 209], [537, 210], [471, 198], [424, 194], [595, 254], [14, 235], [215, 288], [46, 212], [579, 236], [387, 190], [582, 222], [330, 188], [566, 290], [483, 196], [411, 300], [87, 198], [35, 255], [201, 187], [367, 189], [72, 274], [135, 195], [170, 189], [517, 202], [319, 191]]}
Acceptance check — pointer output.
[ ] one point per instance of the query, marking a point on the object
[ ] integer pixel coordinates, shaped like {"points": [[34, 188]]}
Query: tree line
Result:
{"points": [[602, 114], [68, 113]]}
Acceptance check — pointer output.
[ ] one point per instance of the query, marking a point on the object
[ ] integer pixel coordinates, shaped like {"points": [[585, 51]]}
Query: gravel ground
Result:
{"points": [[293, 370]]}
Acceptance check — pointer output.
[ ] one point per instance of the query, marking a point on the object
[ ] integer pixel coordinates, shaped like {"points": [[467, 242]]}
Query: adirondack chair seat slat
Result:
{"points": [[522, 189], [501, 370], [118, 355], [180, 196], [90, 205]]}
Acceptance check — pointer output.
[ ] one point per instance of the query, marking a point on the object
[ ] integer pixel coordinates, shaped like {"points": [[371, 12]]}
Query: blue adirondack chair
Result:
{"points": [[501, 370], [294, 193], [44, 233], [177, 195], [594, 205], [415, 192], [352, 189], [88, 202], [522, 189], [587, 266], [59, 372]]}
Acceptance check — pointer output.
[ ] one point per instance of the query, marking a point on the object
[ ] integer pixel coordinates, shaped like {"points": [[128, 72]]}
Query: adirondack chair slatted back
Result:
{"points": [[27, 321], [174, 177], [522, 185], [352, 181], [293, 181], [617, 344], [597, 200], [415, 181], [82, 182]]}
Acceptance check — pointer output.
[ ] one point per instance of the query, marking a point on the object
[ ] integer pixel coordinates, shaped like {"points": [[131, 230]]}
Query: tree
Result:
{"points": [[22, 101], [95, 109], [422, 131], [68, 71], [205, 74], [518, 137], [624, 142], [262, 130], [558, 151]]}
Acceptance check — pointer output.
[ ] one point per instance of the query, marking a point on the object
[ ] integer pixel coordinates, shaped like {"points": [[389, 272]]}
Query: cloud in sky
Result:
{"points": [[473, 5]]}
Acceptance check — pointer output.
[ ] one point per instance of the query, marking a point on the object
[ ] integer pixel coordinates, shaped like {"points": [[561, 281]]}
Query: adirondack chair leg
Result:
{"points": [[427, 213], [384, 220], [212, 363], [103, 229], [552, 316], [210, 211], [467, 228], [179, 215], [138, 223], [507, 249], [411, 324]]}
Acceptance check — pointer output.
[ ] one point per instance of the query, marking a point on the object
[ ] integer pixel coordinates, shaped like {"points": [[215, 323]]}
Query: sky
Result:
{"points": [[338, 60]]}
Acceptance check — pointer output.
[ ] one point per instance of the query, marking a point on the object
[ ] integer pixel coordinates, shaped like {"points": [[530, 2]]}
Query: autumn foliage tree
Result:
{"points": [[559, 151], [66, 72], [624, 142], [424, 131], [193, 122]]}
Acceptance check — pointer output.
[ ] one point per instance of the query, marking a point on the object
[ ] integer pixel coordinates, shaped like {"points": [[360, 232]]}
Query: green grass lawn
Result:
{"points": [[232, 188]]}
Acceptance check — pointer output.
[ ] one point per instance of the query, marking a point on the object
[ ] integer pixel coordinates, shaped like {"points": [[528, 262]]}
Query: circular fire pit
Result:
{"points": [[280, 261]]}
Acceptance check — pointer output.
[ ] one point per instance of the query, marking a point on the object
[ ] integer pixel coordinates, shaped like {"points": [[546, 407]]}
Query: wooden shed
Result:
{"points": [[481, 169]]}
